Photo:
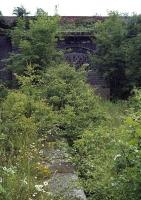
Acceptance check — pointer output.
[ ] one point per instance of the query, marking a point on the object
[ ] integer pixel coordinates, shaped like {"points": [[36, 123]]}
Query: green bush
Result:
{"points": [[72, 99]]}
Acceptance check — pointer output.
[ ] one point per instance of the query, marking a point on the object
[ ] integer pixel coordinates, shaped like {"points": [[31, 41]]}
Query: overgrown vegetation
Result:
{"points": [[78, 25], [118, 52], [36, 41], [53, 98]]}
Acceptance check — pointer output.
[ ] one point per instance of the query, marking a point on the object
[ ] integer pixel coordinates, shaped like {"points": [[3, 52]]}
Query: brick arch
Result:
{"points": [[78, 55], [76, 48], [76, 58]]}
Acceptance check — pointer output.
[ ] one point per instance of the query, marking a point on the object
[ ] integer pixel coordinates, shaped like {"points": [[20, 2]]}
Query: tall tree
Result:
{"points": [[118, 52], [20, 11], [36, 43], [132, 51], [109, 57]]}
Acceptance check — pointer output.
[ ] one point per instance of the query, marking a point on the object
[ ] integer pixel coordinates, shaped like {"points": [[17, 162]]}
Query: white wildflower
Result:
{"points": [[45, 183], [25, 181], [113, 184], [39, 188], [34, 194], [117, 156], [10, 170]]}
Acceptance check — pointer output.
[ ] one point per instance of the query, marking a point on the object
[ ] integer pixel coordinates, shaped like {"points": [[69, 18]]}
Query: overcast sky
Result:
{"points": [[73, 7]]}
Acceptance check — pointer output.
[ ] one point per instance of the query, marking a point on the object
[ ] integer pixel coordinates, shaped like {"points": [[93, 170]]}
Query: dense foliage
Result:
{"points": [[53, 99], [35, 41], [118, 52]]}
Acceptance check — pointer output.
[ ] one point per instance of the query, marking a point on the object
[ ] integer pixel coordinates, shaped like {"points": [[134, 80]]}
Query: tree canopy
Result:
{"points": [[36, 42], [20, 12], [118, 51]]}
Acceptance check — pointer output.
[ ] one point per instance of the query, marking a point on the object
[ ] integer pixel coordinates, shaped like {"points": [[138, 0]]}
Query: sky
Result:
{"points": [[73, 7]]}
